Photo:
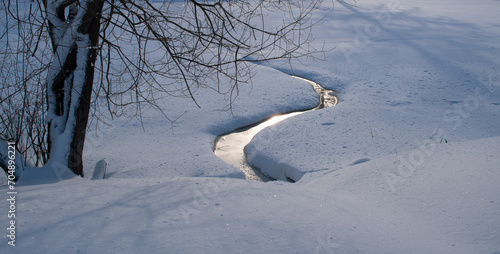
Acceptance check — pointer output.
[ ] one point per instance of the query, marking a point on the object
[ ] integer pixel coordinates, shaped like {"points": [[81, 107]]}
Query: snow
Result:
{"points": [[407, 162], [400, 91], [99, 170], [449, 204]]}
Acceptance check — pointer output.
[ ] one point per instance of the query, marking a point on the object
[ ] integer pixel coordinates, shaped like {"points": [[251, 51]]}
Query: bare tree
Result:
{"points": [[78, 54]]}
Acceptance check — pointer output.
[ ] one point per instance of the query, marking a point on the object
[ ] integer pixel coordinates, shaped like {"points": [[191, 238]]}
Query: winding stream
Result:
{"points": [[230, 147]]}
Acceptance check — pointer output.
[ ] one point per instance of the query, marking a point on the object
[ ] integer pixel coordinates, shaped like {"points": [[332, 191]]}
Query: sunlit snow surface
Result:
{"points": [[231, 147]]}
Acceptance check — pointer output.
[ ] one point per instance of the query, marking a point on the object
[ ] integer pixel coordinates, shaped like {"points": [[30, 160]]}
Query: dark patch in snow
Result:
{"points": [[398, 103], [363, 160]]}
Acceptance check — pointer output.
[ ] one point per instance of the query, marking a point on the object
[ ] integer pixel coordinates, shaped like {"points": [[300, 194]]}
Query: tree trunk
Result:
{"points": [[70, 80], [90, 26]]}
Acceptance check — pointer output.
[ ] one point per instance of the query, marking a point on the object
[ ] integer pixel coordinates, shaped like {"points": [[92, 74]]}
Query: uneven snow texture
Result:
{"points": [[158, 147], [423, 73], [447, 204], [408, 162]]}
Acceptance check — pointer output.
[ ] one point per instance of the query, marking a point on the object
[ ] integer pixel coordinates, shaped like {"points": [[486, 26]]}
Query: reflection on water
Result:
{"points": [[231, 147]]}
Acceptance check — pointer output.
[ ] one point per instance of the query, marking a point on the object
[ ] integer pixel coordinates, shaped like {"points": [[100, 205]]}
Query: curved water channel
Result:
{"points": [[230, 147]]}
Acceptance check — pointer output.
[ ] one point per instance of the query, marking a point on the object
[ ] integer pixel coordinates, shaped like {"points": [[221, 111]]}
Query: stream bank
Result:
{"points": [[230, 147]]}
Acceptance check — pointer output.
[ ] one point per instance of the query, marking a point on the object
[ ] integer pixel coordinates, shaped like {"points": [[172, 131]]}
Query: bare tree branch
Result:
{"points": [[140, 51]]}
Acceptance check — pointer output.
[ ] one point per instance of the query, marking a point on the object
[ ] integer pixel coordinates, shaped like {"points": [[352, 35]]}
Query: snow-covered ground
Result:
{"points": [[408, 162]]}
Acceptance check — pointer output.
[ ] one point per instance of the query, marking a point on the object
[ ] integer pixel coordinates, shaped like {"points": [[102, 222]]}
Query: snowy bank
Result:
{"points": [[161, 148], [447, 204], [423, 74]]}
